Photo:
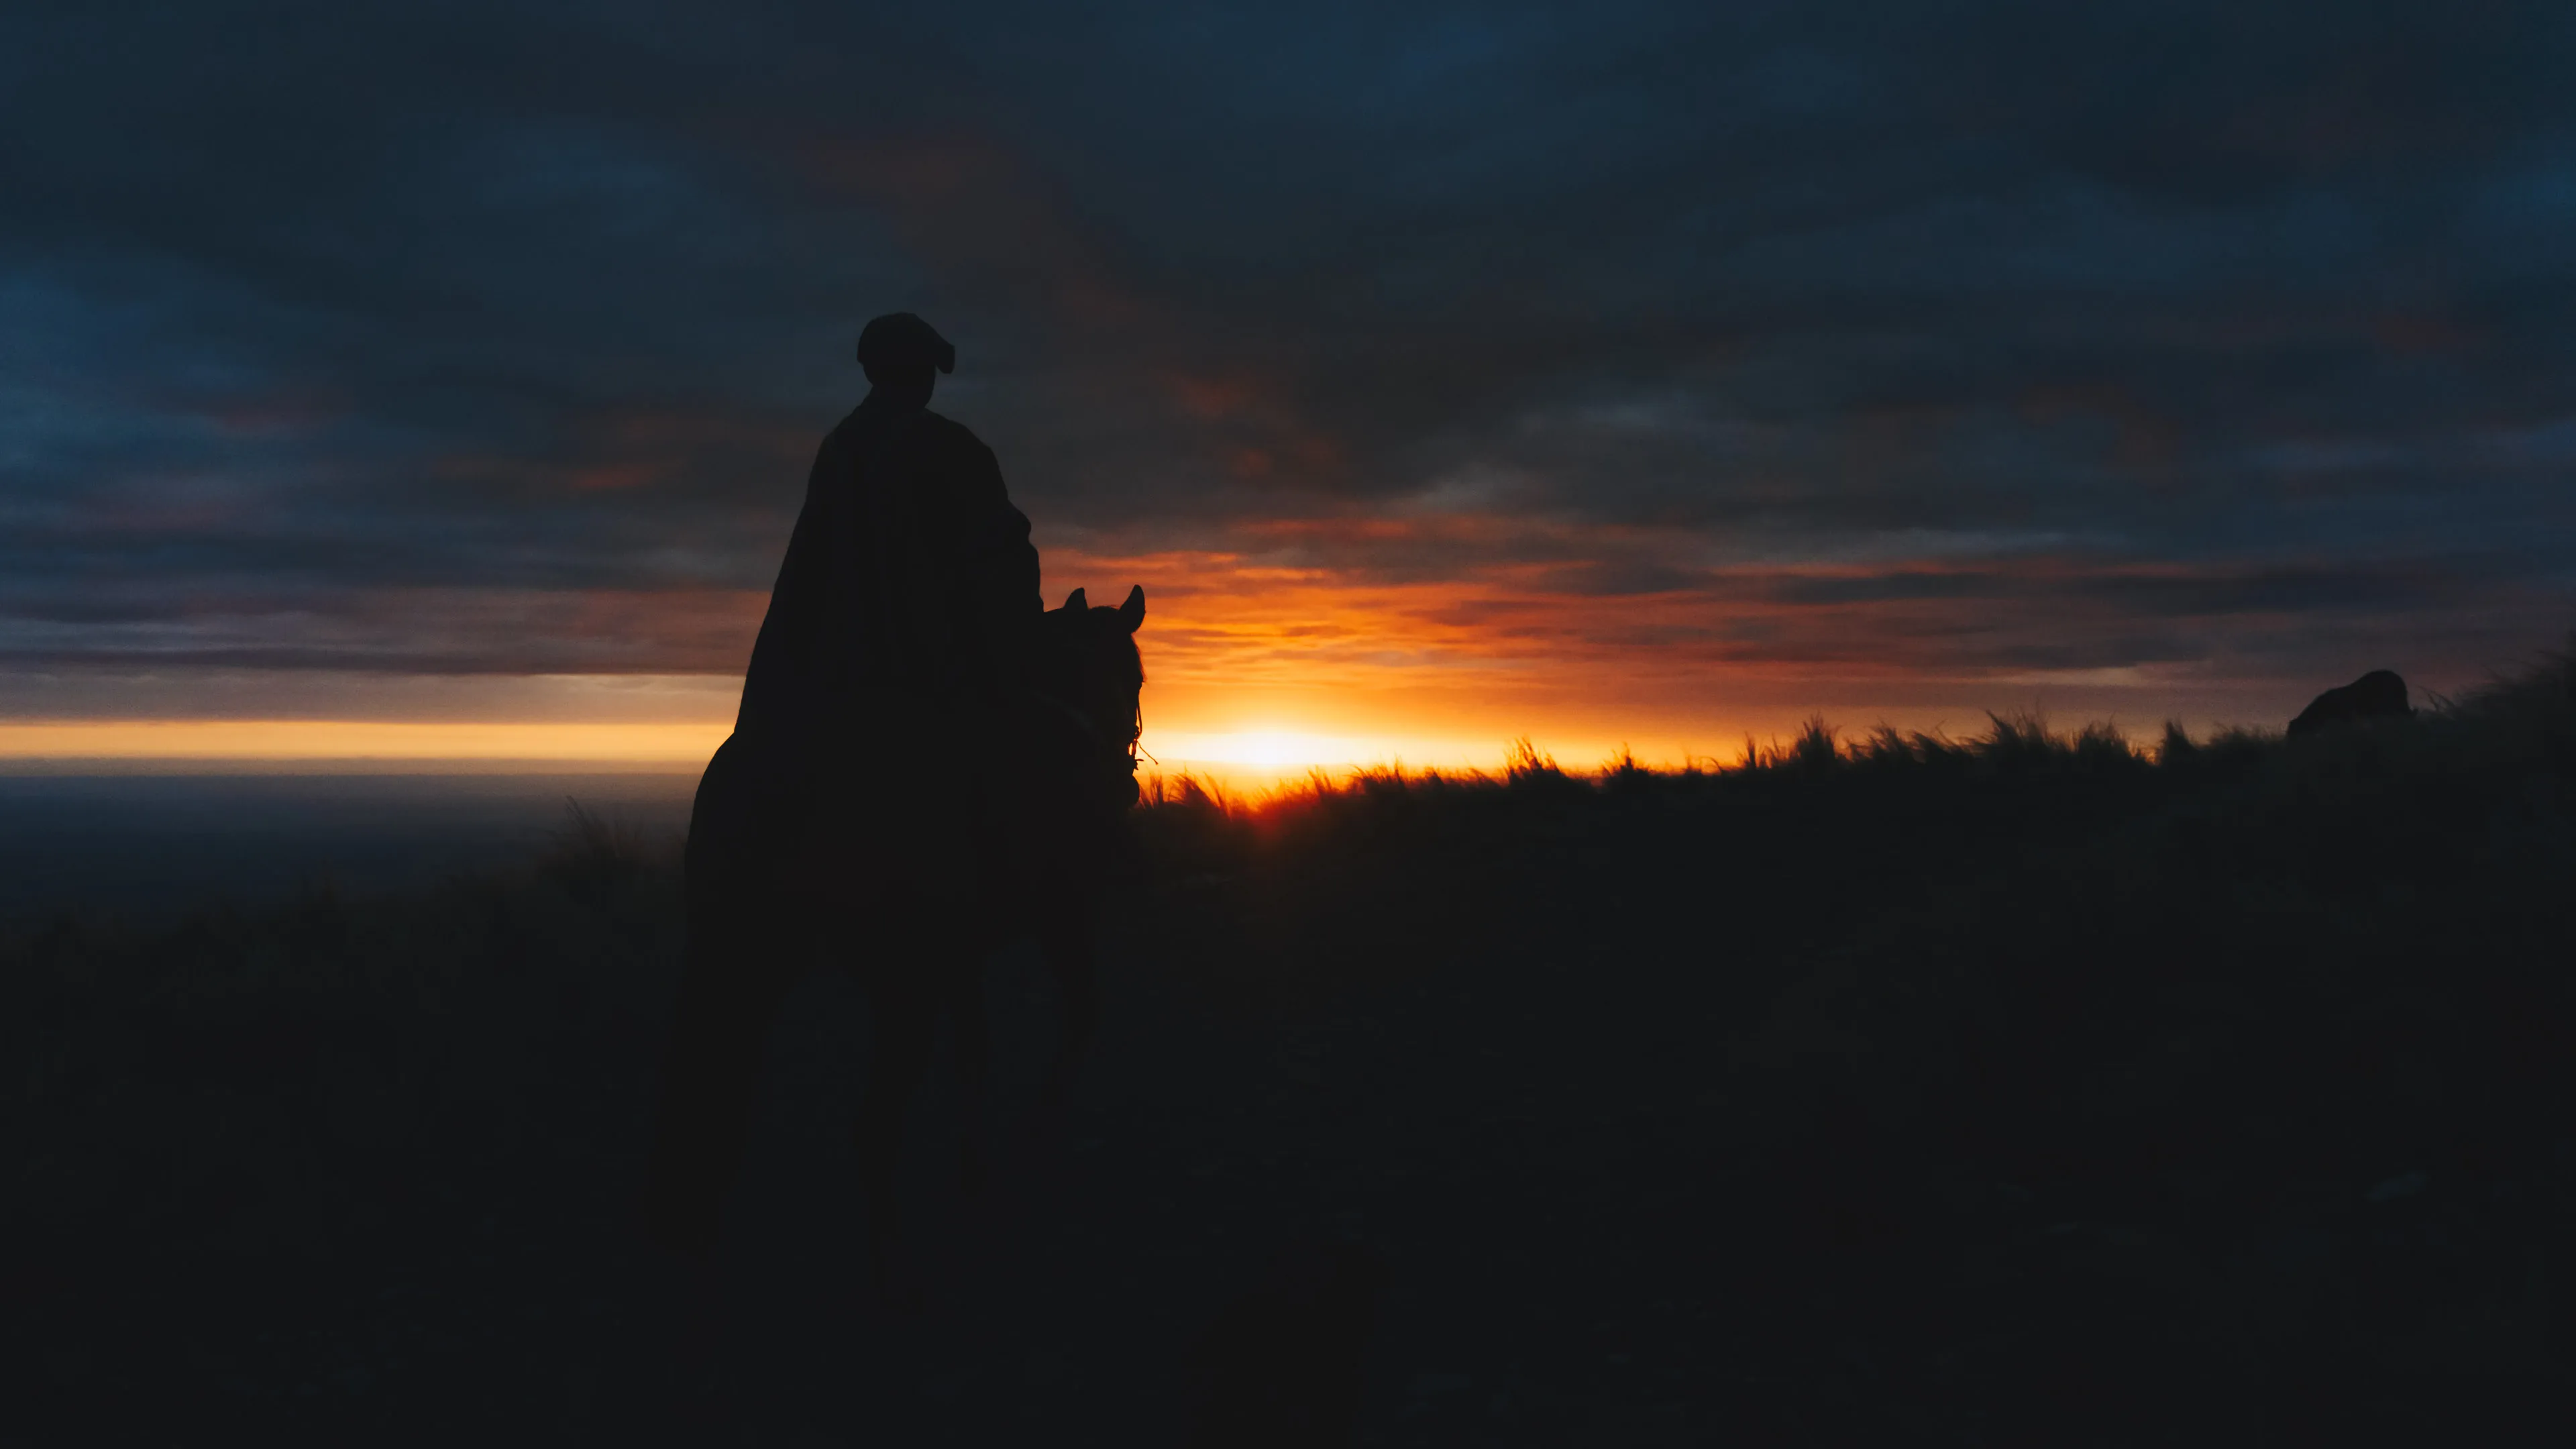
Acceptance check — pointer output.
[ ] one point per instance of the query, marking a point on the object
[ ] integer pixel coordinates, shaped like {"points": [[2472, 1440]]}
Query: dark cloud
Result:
{"points": [[383, 338]]}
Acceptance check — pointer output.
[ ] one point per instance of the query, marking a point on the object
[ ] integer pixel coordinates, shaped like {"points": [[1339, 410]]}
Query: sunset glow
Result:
{"points": [[1259, 672]]}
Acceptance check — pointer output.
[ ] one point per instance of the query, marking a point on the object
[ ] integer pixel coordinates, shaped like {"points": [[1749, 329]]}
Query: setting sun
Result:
{"points": [[1269, 747]]}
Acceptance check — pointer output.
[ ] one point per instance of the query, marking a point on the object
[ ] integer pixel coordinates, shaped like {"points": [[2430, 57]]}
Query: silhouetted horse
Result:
{"points": [[864, 862]]}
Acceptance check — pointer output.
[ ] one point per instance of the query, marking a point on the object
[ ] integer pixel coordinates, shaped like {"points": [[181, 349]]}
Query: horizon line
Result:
{"points": [[378, 747]]}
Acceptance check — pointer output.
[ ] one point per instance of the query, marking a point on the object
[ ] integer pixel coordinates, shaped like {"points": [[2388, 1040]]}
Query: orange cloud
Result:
{"points": [[1210, 399], [1246, 658]]}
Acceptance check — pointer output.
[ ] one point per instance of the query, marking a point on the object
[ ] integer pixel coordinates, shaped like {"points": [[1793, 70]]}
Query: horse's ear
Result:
{"points": [[1132, 612], [1076, 602]]}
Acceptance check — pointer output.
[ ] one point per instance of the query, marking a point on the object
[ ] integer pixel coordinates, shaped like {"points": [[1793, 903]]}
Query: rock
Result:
{"points": [[2380, 694]]}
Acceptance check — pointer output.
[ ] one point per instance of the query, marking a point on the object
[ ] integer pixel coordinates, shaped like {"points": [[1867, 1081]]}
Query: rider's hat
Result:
{"points": [[899, 339]]}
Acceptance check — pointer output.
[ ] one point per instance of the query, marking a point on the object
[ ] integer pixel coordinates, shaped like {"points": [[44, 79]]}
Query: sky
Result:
{"points": [[442, 381]]}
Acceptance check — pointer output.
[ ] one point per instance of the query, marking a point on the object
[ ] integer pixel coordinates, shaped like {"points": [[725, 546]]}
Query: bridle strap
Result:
{"points": [[1091, 731]]}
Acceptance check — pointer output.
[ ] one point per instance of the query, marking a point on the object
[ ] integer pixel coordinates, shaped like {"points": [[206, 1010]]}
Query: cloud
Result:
{"points": [[1956, 341]]}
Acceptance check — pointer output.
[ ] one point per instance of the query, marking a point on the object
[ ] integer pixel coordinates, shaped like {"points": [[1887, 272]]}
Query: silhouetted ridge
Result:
{"points": [[1891, 1088]]}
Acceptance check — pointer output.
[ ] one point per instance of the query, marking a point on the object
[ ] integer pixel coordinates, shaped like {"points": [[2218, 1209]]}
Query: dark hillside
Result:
{"points": [[2030, 1089]]}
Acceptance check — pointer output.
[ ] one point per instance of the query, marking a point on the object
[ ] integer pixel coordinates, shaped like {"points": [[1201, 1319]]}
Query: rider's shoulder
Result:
{"points": [[853, 423], [951, 432], [925, 436]]}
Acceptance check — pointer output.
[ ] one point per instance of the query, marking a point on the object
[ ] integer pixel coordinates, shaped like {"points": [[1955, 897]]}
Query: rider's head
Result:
{"points": [[903, 355]]}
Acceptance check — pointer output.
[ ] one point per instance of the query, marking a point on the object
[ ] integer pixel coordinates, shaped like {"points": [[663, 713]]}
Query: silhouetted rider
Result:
{"points": [[899, 633], [866, 780]]}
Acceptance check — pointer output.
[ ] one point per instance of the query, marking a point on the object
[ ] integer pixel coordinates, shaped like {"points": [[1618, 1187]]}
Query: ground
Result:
{"points": [[2067, 1101]]}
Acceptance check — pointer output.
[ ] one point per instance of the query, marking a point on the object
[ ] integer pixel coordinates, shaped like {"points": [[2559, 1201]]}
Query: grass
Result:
{"points": [[2163, 1029]]}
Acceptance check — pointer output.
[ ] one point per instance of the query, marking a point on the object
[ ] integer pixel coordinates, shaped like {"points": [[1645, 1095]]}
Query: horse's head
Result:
{"points": [[1087, 663]]}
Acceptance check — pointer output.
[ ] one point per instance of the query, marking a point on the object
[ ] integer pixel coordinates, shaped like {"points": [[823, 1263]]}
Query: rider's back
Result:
{"points": [[909, 591], [898, 636]]}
